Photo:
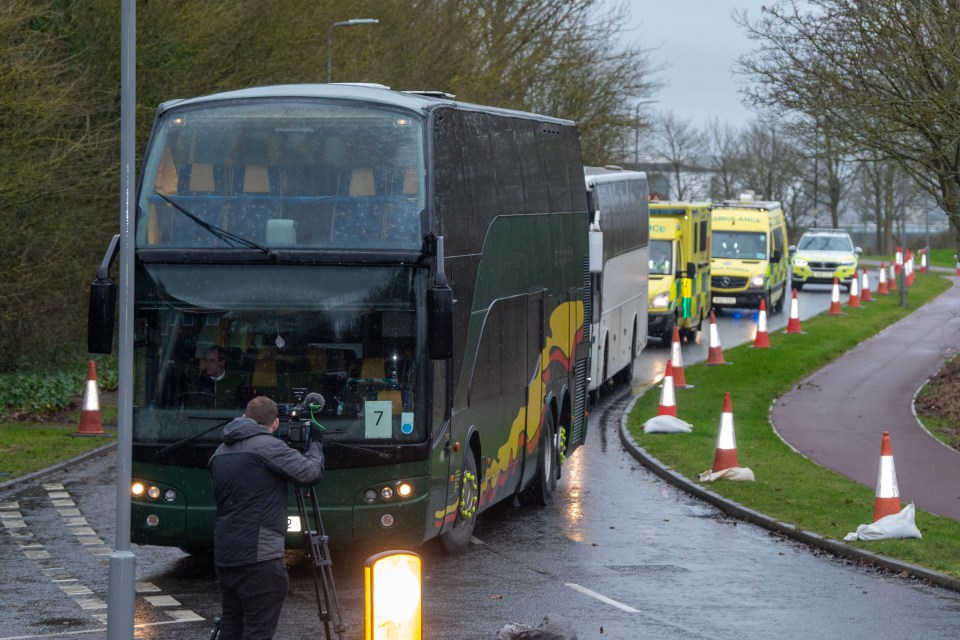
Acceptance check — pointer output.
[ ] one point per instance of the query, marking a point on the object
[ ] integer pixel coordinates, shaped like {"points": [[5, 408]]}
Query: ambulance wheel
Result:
{"points": [[779, 306], [541, 489], [458, 538]]}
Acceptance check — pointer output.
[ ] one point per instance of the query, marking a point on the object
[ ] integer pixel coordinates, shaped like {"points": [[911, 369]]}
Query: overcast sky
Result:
{"points": [[697, 42]]}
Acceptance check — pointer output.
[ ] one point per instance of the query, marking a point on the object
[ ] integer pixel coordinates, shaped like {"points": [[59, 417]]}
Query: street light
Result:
{"points": [[345, 23], [393, 596]]}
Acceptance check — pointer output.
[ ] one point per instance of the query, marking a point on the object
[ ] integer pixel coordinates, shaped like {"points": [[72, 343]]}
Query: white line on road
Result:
{"points": [[594, 594]]}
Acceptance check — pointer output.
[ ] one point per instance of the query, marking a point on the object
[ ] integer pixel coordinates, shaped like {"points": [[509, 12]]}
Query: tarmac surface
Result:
{"points": [[837, 416]]}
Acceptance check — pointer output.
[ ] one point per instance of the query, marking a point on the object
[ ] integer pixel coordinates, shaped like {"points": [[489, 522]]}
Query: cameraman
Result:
{"points": [[250, 471]]}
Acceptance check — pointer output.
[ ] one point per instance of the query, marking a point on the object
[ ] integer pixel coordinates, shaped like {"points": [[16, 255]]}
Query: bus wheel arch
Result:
{"points": [[457, 538]]}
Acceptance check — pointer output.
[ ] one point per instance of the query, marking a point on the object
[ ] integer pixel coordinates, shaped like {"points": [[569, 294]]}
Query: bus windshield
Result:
{"points": [[283, 173], [209, 338]]}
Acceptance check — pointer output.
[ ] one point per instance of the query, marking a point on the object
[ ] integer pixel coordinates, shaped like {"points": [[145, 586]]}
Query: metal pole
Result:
{"points": [[122, 561], [346, 23], [903, 242], [636, 139]]}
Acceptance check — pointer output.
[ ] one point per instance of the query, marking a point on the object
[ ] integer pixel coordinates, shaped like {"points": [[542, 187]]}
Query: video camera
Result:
{"points": [[301, 425]]}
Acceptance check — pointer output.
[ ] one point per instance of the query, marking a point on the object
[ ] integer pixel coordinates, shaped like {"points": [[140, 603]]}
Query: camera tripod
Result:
{"points": [[316, 542], [317, 546]]}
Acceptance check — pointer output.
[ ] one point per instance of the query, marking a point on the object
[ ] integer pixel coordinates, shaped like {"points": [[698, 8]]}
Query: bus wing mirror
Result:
{"points": [[440, 323], [103, 304]]}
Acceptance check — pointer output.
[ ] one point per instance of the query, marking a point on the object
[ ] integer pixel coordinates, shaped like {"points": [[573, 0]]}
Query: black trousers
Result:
{"points": [[252, 596]]}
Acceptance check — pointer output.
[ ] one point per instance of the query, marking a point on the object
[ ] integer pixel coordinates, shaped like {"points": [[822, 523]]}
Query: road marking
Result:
{"points": [[601, 598], [182, 617], [16, 525]]}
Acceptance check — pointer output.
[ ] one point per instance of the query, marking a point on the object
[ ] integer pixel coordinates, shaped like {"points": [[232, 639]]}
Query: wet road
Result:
{"points": [[619, 552]]}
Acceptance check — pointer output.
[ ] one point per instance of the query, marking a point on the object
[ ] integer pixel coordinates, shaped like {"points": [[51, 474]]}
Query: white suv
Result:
{"points": [[822, 255]]}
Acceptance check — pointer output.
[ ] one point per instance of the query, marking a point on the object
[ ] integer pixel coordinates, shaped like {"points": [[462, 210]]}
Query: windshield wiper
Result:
{"points": [[223, 234], [176, 445]]}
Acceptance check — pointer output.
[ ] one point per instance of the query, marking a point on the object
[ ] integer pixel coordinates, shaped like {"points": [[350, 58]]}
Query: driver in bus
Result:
{"points": [[216, 386]]}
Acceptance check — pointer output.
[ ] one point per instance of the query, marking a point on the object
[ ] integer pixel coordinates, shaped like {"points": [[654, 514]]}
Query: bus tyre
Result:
{"points": [[541, 489], [457, 538], [625, 375]]}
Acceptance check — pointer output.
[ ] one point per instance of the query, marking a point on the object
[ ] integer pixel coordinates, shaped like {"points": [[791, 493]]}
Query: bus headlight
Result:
{"points": [[170, 495], [392, 596], [137, 489], [153, 492]]}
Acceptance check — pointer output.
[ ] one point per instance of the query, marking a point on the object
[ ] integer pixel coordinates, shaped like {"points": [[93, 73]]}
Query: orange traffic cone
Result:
{"points": [[725, 456], [90, 424], [887, 501], [882, 288], [892, 278], [715, 352], [865, 294], [668, 401], [835, 308], [908, 273], [923, 261], [793, 324], [854, 300], [762, 339], [679, 380]]}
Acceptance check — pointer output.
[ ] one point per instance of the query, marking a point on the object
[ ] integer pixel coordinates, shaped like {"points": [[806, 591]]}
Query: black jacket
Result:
{"points": [[250, 471]]}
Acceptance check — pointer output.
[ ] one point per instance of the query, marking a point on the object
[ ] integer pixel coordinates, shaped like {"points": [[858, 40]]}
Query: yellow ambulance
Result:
{"points": [[679, 287], [750, 259]]}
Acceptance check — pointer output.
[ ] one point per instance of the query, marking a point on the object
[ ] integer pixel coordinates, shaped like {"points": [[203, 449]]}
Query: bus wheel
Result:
{"points": [[541, 489], [625, 375], [457, 539]]}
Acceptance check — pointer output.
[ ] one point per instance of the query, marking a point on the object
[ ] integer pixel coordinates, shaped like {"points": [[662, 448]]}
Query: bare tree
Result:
{"points": [[725, 158], [773, 165], [679, 144], [883, 76]]}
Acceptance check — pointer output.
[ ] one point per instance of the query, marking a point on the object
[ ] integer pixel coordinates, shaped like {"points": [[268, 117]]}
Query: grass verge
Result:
{"points": [[26, 447], [790, 487]]}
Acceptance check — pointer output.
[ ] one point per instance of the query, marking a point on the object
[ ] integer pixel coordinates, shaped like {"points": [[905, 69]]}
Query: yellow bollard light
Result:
{"points": [[392, 596]]}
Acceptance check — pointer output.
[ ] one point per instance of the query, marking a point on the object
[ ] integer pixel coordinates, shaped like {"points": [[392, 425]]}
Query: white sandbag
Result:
{"points": [[666, 424], [553, 627], [733, 473], [896, 525]]}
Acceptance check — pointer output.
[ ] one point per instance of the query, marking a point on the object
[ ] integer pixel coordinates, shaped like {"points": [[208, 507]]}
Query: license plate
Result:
{"points": [[724, 300], [293, 523], [823, 274]]}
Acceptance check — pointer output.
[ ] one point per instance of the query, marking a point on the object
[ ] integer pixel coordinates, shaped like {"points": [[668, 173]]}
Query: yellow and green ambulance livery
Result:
{"points": [[750, 258], [679, 289]]}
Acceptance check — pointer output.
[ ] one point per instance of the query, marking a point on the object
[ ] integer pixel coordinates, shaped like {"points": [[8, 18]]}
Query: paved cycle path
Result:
{"points": [[837, 416]]}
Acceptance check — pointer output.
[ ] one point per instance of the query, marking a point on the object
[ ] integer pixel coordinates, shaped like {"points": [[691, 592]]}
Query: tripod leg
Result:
{"points": [[316, 545], [216, 629]]}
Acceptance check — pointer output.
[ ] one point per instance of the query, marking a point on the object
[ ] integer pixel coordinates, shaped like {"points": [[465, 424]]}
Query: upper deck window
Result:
{"points": [[283, 173]]}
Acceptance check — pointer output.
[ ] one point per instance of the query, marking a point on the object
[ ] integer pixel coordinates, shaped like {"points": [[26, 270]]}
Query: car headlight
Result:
{"points": [[848, 263], [660, 301], [799, 262], [758, 281]]}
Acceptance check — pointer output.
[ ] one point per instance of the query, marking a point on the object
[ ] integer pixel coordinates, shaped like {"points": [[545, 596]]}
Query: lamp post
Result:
{"points": [[346, 23]]}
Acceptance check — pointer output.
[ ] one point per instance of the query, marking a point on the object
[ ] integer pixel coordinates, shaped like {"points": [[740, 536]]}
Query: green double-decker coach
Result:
{"points": [[419, 262]]}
